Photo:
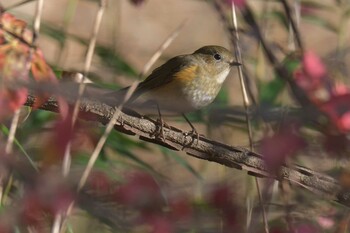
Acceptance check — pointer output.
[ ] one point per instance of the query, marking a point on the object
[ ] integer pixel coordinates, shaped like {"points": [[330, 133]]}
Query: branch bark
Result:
{"points": [[207, 149]]}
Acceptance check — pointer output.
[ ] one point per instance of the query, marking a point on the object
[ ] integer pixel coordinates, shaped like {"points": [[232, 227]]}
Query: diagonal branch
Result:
{"points": [[207, 149]]}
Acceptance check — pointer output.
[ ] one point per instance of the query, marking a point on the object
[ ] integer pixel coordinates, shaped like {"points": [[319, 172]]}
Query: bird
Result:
{"points": [[183, 84]]}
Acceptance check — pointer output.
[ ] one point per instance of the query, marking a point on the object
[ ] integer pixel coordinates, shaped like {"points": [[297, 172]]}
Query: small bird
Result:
{"points": [[184, 83]]}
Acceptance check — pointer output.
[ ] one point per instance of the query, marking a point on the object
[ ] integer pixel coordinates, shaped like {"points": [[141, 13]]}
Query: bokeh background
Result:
{"points": [[131, 33]]}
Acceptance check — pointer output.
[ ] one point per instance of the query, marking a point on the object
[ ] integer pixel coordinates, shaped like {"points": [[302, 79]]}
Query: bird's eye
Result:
{"points": [[217, 56]]}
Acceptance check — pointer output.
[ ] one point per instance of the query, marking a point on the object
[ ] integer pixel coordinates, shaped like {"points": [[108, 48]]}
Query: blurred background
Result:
{"points": [[132, 31]]}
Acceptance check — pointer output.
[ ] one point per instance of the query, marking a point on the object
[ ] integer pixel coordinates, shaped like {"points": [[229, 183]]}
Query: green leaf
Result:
{"points": [[268, 92]]}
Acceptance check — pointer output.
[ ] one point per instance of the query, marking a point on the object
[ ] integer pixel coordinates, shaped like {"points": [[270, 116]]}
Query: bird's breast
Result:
{"points": [[202, 91]]}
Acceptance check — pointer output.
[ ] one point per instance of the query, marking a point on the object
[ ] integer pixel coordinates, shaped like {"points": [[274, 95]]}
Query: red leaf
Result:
{"points": [[340, 89], [159, 223], [306, 229], [221, 197], [40, 69], [54, 149], [313, 66], [13, 60], [311, 74], [140, 191], [11, 100], [100, 183], [181, 208], [15, 26], [283, 144], [336, 143], [32, 210], [338, 109]]}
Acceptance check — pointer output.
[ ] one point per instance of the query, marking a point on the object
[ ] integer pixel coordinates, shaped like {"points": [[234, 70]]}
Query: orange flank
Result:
{"points": [[186, 75]]}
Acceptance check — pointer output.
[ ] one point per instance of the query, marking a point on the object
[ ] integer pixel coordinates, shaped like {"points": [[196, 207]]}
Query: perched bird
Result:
{"points": [[183, 84]]}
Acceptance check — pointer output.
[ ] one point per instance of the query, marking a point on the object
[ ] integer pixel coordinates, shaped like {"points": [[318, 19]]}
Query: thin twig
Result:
{"points": [[296, 32], [60, 218], [89, 55], [88, 60], [246, 102], [37, 21], [12, 133], [56, 223]]}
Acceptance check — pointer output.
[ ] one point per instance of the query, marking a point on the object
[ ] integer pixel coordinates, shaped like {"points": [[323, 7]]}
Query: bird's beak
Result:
{"points": [[234, 63]]}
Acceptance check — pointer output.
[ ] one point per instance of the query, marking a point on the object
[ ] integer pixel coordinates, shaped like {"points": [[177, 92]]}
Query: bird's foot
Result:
{"points": [[159, 133], [194, 134]]}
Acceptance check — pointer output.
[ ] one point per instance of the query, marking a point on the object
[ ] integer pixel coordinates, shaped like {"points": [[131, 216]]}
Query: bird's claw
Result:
{"points": [[159, 133], [193, 133]]}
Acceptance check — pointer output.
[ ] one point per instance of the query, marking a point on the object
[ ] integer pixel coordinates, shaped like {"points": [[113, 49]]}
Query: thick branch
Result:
{"points": [[207, 149]]}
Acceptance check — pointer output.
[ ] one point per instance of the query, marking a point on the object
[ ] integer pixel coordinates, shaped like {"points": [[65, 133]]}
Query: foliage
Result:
{"points": [[131, 191]]}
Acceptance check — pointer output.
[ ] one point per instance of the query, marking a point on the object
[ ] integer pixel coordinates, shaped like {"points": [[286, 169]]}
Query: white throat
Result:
{"points": [[222, 76]]}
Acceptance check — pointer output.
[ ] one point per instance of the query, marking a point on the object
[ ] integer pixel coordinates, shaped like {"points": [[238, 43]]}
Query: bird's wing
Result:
{"points": [[159, 77], [163, 74]]}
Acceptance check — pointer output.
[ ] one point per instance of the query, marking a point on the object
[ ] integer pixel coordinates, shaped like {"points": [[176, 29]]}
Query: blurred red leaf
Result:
{"points": [[336, 143], [313, 66], [16, 27], [32, 210], [11, 100], [312, 72], [222, 198], [158, 223], [304, 228], [340, 89], [141, 191], [326, 222], [283, 144], [40, 69], [337, 108], [99, 182], [12, 66], [15, 61], [54, 148], [181, 208], [45, 199]]}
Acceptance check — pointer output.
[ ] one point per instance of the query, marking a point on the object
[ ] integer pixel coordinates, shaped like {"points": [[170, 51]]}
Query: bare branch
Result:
{"points": [[207, 149]]}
